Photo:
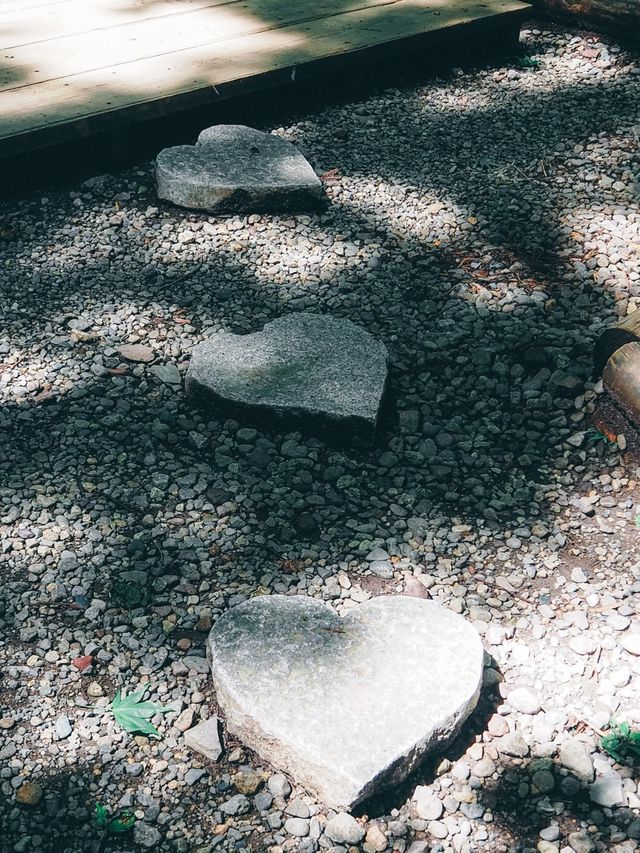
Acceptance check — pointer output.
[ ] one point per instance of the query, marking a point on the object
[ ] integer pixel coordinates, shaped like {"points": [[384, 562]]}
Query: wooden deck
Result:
{"points": [[73, 68]]}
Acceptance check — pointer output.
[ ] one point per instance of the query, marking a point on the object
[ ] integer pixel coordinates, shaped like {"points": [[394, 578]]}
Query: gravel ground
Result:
{"points": [[486, 226]]}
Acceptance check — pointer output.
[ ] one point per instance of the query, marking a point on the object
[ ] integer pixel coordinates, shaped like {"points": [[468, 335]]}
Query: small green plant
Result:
{"points": [[593, 436], [638, 520], [122, 822], [134, 715], [621, 742], [528, 62]]}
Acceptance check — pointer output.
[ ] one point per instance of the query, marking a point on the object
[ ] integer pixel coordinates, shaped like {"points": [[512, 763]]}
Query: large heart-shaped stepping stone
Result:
{"points": [[315, 371], [347, 705], [236, 169]]}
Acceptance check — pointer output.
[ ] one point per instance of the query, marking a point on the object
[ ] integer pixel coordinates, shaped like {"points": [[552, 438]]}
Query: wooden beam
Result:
{"points": [[620, 16], [109, 98]]}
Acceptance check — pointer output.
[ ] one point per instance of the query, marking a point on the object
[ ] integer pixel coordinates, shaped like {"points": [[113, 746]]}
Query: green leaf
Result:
{"points": [[101, 815], [528, 62], [122, 823], [133, 715], [621, 742]]}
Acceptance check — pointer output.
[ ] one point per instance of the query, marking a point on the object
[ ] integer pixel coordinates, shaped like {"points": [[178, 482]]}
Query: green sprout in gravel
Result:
{"points": [[122, 822], [621, 742], [593, 436], [528, 62]]}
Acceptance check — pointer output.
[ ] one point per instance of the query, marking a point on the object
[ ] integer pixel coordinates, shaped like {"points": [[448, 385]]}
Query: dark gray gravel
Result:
{"points": [[485, 226]]}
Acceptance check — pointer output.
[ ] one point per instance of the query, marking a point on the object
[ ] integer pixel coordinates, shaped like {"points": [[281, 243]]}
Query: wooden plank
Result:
{"points": [[617, 16], [18, 6], [206, 27], [69, 17], [98, 100]]}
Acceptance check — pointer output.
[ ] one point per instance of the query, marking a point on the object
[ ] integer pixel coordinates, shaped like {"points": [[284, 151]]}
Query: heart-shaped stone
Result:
{"points": [[346, 705], [323, 373], [233, 169]]}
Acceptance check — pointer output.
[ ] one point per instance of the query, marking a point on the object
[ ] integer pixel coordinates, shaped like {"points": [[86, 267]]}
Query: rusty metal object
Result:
{"points": [[624, 332], [621, 379], [620, 16]]}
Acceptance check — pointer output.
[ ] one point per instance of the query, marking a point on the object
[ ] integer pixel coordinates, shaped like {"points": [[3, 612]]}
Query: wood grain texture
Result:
{"points": [[80, 67]]}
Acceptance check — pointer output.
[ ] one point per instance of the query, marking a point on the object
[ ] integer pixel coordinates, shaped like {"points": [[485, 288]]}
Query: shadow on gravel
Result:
{"points": [[62, 820], [427, 772], [479, 400], [520, 808]]}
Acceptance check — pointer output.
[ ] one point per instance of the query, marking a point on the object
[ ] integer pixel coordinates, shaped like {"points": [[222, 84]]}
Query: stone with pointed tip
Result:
{"points": [[349, 705]]}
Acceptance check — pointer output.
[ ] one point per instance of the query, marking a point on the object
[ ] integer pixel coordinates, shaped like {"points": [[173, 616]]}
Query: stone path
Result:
{"points": [[485, 227], [304, 370], [234, 169], [339, 732]]}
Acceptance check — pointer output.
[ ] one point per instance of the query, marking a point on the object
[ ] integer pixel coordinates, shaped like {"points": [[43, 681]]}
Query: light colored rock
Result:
{"points": [[137, 352], [297, 826], [512, 744], [344, 829], [437, 828], [94, 690], [279, 785], [63, 727], [376, 839], [297, 808], [631, 642], [575, 756], [318, 696], [607, 790], [524, 700], [204, 739], [320, 371], [196, 663], [483, 768], [194, 775], [581, 842], [428, 806], [583, 644], [233, 169], [185, 720]]}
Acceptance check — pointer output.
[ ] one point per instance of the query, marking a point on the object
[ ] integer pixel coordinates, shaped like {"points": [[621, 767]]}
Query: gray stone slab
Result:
{"points": [[234, 169], [347, 705], [319, 372], [204, 739]]}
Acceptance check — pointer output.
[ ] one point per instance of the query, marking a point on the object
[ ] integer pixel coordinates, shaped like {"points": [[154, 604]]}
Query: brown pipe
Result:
{"points": [[621, 379], [624, 332]]}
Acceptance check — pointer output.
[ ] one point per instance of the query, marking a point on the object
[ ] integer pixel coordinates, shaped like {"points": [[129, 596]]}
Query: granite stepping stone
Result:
{"points": [[315, 372], [236, 169], [348, 706]]}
